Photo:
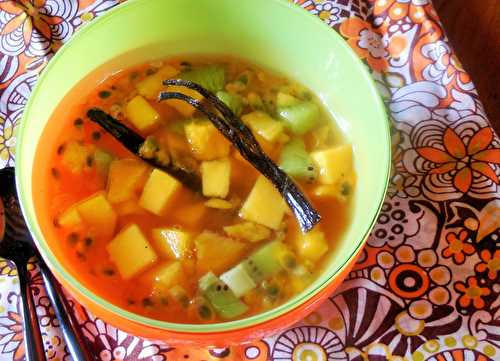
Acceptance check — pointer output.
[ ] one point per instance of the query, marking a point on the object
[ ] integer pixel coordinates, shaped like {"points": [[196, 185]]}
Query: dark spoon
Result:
{"points": [[17, 245]]}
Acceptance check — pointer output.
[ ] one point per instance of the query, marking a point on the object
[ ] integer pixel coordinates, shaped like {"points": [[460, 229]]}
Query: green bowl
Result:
{"points": [[273, 33]]}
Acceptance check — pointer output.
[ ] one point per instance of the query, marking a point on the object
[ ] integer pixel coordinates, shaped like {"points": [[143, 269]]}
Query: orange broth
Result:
{"points": [[87, 254]]}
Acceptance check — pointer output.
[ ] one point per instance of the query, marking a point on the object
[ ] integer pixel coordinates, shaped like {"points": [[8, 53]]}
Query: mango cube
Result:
{"points": [[166, 276], [262, 124], [131, 252], [311, 245], [190, 214], [70, 218], [172, 243], [333, 163], [141, 114], [215, 176], [207, 143], [126, 177], [182, 107], [151, 86], [158, 192], [264, 205], [98, 214], [128, 208], [216, 253]]}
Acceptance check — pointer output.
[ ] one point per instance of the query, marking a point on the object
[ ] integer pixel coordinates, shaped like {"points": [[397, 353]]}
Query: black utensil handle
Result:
{"points": [[33, 341], [69, 326]]}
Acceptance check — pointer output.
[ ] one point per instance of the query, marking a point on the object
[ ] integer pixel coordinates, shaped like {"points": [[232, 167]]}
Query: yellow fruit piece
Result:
{"points": [[128, 208], [264, 125], [151, 86], [182, 107], [248, 231], [217, 203], [70, 218], [264, 205], [158, 192], [333, 163], [172, 243], [126, 177], [190, 214], [141, 114], [341, 190], [216, 176], [131, 252], [312, 245], [98, 214], [207, 143], [216, 253], [165, 276], [75, 156]]}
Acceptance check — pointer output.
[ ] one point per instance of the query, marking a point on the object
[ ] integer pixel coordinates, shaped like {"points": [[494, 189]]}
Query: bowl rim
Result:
{"points": [[295, 302]]}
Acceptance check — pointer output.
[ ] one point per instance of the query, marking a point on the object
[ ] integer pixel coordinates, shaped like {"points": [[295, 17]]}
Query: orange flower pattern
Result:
{"points": [[472, 293], [458, 247], [426, 285]]}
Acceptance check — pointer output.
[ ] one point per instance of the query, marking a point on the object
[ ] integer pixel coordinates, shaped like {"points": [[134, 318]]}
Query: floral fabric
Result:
{"points": [[426, 286]]}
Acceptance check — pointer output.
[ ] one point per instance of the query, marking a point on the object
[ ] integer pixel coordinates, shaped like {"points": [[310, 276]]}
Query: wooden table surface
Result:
{"points": [[473, 27]]}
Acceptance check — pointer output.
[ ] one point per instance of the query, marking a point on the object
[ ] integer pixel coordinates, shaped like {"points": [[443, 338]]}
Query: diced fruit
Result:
{"points": [[255, 101], [69, 218], [131, 252], [301, 117], [158, 192], [217, 203], [333, 164], [190, 214], [102, 160], [238, 280], [216, 175], [128, 208], [222, 299], [311, 245], [182, 107], [340, 190], [172, 243], [296, 162], [207, 143], [141, 114], [233, 101], [264, 205], [166, 276], [216, 253], [320, 137], [248, 231], [151, 86], [211, 77], [286, 100], [126, 178], [262, 124], [98, 214], [179, 294], [75, 156], [265, 262]]}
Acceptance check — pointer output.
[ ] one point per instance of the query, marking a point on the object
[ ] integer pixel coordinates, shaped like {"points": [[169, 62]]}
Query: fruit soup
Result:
{"points": [[139, 238]]}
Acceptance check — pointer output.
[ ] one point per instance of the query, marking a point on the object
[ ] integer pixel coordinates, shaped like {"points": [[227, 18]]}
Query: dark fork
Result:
{"points": [[17, 245]]}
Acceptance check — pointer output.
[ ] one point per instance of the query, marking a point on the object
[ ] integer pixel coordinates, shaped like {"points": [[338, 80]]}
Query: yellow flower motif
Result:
{"points": [[7, 268], [7, 139]]}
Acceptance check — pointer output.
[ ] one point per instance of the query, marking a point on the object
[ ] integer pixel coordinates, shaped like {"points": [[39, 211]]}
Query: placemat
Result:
{"points": [[427, 284]]}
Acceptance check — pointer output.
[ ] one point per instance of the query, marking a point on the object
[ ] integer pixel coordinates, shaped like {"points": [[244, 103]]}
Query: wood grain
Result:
{"points": [[473, 27]]}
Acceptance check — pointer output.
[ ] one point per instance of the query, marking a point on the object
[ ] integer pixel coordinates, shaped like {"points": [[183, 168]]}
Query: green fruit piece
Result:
{"points": [[220, 296], [265, 262], [296, 162], [301, 117], [211, 77], [238, 280], [233, 101]]}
